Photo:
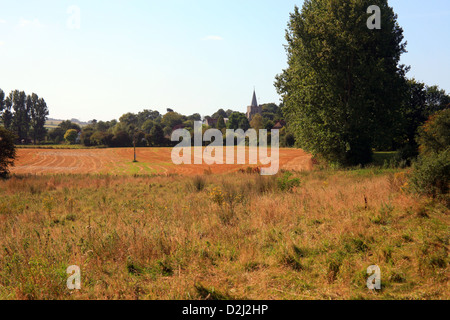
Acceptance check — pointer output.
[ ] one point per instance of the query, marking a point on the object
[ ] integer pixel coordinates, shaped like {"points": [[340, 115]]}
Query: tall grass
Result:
{"points": [[152, 237]]}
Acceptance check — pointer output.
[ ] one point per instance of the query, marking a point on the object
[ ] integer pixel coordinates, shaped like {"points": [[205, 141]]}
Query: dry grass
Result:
{"points": [[234, 236]]}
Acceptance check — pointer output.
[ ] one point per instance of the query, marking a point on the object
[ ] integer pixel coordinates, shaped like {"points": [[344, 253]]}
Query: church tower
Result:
{"points": [[254, 108]]}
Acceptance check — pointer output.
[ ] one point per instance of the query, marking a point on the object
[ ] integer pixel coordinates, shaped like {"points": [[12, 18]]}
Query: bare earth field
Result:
{"points": [[119, 161]]}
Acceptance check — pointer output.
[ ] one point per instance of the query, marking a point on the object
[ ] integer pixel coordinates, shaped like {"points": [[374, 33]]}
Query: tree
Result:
{"points": [[271, 111], [39, 113], [156, 136], [172, 119], [129, 119], [148, 125], [7, 115], [195, 117], [99, 138], [343, 86], [21, 118], [145, 115], [238, 120], [219, 113], [67, 125], [221, 123], [71, 136], [56, 135], [257, 122], [121, 139], [431, 173], [7, 151], [420, 103], [434, 136], [86, 136], [2, 101]]}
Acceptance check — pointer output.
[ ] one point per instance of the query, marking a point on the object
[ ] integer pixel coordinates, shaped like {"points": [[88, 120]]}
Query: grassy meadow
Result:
{"points": [[235, 236]]}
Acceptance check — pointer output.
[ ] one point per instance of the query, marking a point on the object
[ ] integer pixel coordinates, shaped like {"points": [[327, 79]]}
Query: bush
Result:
{"points": [[198, 184], [431, 175], [285, 183]]}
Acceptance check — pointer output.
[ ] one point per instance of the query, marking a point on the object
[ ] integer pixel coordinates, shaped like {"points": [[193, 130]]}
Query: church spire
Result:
{"points": [[254, 101]]}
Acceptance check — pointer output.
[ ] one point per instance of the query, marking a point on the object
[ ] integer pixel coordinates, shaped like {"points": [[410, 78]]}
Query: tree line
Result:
{"points": [[24, 115], [150, 128]]}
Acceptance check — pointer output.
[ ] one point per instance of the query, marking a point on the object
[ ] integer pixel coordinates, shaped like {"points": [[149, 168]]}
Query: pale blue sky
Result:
{"points": [[192, 56]]}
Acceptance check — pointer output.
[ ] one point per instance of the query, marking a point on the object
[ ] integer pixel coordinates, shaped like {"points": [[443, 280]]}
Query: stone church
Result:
{"points": [[254, 108]]}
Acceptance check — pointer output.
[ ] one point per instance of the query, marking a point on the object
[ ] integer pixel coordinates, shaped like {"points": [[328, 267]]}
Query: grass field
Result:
{"points": [[230, 236]]}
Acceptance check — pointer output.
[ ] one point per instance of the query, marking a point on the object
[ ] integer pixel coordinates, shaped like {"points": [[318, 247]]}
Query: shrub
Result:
{"points": [[431, 175], [198, 183], [285, 183]]}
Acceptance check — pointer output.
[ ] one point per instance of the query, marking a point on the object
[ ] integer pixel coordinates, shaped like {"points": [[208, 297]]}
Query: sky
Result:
{"points": [[100, 59]]}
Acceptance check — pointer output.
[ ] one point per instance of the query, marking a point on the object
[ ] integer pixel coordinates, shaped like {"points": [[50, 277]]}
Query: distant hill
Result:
{"points": [[53, 123]]}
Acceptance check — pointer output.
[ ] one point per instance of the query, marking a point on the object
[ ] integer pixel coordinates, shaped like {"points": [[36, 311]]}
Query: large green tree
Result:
{"points": [[21, 117], [7, 115], [38, 112], [343, 86]]}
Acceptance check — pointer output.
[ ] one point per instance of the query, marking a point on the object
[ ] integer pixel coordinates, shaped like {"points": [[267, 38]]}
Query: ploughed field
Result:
{"points": [[119, 161]]}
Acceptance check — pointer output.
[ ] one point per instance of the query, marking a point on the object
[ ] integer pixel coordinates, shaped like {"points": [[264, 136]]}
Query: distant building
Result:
{"points": [[254, 108], [279, 124]]}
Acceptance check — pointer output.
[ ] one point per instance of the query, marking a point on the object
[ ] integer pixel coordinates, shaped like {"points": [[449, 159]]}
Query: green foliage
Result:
{"points": [[172, 119], [121, 139], [67, 125], [221, 123], [237, 121], [156, 136], [99, 138], [431, 174], [434, 136], [257, 122], [421, 101], [21, 117], [220, 113], [285, 183], [71, 136], [7, 151], [344, 85], [38, 112], [56, 134]]}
